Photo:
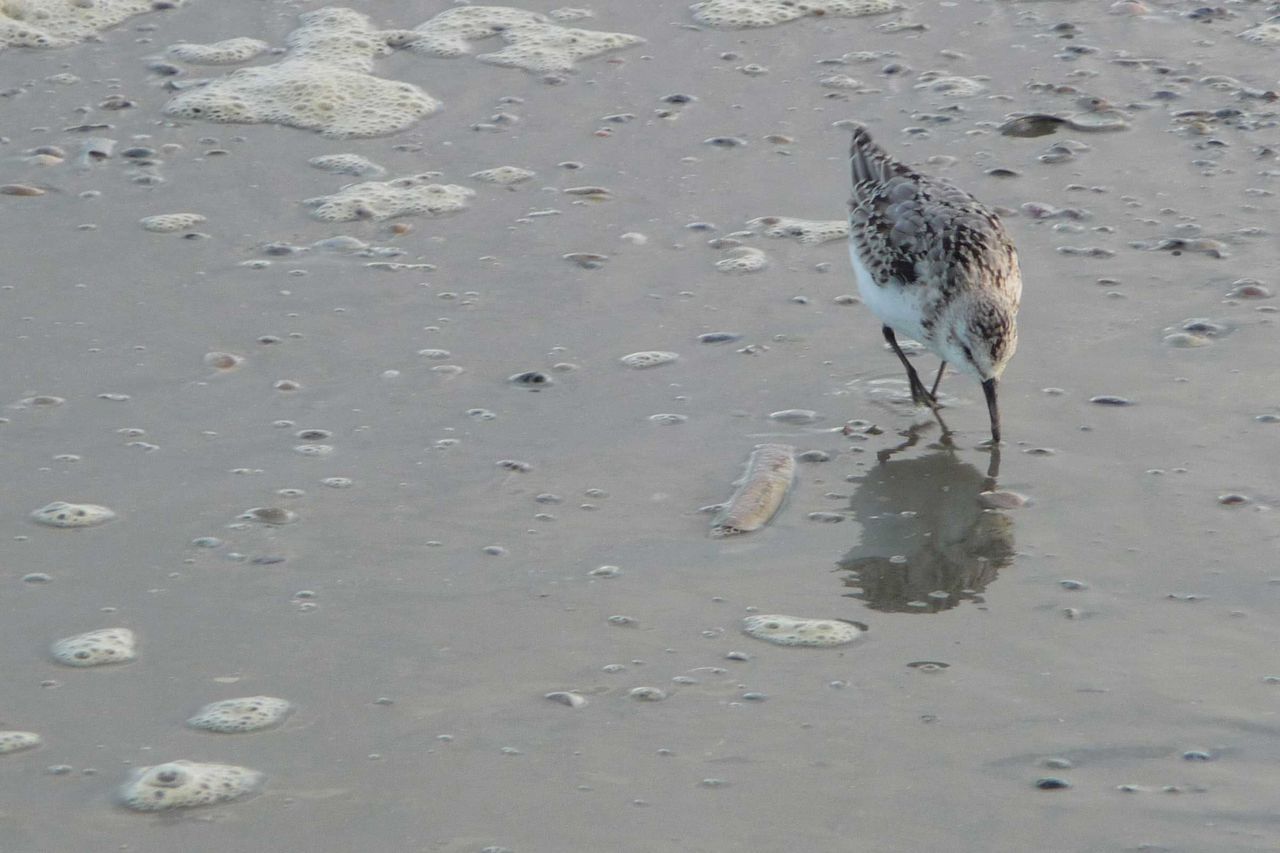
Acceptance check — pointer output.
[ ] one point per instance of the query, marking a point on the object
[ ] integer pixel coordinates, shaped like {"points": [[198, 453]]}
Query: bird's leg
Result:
{"points": [[993, 469], [933, 392], [919, 394]]}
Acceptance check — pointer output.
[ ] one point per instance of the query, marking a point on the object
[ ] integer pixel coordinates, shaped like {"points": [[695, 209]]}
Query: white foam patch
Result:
{"points": [[348, 164], [740, 14], [504, 175], [167, 223], [226, 52], [1267, 34], [182, 784], [379, 200], [950, 86], [94, 648], [570, 14], [841, 81], [248, 714], [807, 232], [323, 84], [18, 741], [62, 23], [534, 42], [796, 631], [63, 514], [743, 259], [650, 358]]}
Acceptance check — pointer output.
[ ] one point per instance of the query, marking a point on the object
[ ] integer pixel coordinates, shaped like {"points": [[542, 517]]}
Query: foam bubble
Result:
{"points": [[348, 164], [808, 232], [841, 81], [18, 741], [167, 223], [795, 631], [740, 14], [950, 86], [534, 42], [94, 648], [182, 784], [226, 52], [62, 23], [651, 358], [743, 259], [323, 83], [270, 515], [223, 360], [504, 175], [1267, 34], [247, 714], [63, 514], [379, 200]]}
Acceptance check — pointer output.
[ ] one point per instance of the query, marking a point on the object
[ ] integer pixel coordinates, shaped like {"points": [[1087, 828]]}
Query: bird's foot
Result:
{"points": [[920, 395]]}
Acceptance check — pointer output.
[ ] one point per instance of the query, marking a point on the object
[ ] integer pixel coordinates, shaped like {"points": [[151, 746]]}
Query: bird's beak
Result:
{"points": [[989, 388]]}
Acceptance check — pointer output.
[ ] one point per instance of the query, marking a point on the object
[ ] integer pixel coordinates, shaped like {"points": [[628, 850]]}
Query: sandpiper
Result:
{"points": [[936, 265]]}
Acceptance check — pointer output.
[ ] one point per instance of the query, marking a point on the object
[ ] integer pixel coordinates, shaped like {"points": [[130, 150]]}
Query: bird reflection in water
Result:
{"points": [[927, 544]]}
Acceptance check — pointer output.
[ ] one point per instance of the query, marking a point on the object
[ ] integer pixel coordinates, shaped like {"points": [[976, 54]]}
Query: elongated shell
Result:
{"points": [[770, 471]]}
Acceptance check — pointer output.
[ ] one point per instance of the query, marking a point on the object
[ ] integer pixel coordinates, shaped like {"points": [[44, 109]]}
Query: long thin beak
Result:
{"points": [[989, 388]]}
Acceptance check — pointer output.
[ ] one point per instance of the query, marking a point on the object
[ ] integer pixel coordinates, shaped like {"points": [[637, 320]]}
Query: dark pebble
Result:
{"points": [[1032, 125], [719, 338], [1110, 400], [1052, 783], [531, 378]]}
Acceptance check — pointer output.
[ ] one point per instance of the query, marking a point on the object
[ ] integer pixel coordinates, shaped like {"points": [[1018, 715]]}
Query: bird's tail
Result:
{"points": [[868, 161]]}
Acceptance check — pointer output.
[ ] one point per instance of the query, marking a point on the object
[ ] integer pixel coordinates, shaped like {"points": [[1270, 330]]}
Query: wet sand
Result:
{"points": [[418, 662]]}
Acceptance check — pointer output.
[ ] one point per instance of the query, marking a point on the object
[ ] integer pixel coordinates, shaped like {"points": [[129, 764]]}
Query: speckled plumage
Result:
{"points": [[935, 264]]}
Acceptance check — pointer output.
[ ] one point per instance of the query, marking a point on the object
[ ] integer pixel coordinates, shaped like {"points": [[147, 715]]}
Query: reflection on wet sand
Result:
{"points": [[926, 543]]}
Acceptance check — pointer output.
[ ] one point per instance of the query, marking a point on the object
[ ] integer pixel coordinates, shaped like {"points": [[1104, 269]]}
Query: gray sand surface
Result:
{"points": [[384, 590]]}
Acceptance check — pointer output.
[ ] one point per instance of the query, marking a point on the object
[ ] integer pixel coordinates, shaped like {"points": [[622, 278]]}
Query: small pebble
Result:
{"points": [[795, 416], [1052, 783], [532, 379], [573, 700]]}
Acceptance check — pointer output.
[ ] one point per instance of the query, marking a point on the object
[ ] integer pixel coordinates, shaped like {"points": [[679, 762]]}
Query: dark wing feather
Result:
{"points": [[914, 229]]}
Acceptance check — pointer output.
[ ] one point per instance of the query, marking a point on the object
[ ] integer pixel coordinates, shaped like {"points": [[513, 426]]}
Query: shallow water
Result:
{"points": [[418, 662]]}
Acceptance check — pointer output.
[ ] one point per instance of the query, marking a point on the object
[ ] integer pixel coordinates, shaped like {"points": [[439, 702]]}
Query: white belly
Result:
{"points": [[896, 306]]}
